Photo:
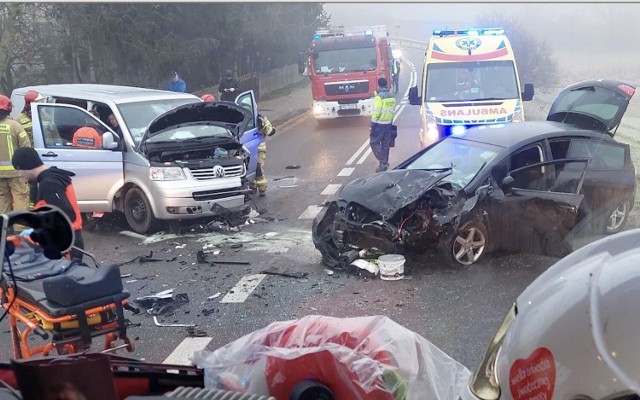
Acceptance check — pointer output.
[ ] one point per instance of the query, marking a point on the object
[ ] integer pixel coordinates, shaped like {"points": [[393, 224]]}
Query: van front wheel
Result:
{"points": [[138, 211]]}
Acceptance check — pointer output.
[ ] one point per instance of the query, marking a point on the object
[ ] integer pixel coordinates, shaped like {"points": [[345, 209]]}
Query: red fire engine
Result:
{"points": [[344, 67]]}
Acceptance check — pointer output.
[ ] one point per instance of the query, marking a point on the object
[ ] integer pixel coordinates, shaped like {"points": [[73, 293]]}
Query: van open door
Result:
{"points": [[99, 170], [251, 136]]}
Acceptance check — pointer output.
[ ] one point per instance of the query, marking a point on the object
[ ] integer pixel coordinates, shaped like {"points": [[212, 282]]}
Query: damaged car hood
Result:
{"points": [[229, 115], [386, 193]]}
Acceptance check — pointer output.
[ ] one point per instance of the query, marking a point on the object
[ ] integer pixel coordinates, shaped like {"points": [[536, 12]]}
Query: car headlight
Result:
{"points": [[432, 131], [484, 381], [318, 109], [166, 174]]}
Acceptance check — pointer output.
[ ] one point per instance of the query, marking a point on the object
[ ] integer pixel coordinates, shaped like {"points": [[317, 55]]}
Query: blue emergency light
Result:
{"points": [[368, 33], [469, 32], [317, 36]]}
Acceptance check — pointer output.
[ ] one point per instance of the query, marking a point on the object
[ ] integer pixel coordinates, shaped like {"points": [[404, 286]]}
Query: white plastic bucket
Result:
{"points": [[391, 267]]}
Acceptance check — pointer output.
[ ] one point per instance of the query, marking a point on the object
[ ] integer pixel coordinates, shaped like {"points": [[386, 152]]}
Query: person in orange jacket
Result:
{"points": [[54, 187]]}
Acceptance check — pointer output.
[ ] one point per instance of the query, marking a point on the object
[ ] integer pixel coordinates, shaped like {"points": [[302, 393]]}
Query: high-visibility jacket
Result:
{"points": [[396, 67], [27, 124], [384, 107], [87, 136], [12, 136]]}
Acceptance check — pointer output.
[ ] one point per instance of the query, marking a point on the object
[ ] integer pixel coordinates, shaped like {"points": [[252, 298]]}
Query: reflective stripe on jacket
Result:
{"points": [[384, 107], [27, 124], [12, 136]]}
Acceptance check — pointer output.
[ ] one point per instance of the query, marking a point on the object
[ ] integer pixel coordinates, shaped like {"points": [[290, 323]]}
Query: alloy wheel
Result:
{"points": [[468, 246], [617, 217]]}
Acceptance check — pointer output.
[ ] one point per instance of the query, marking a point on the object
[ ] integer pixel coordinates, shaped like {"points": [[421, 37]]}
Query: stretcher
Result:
{"points": [[45, 293]]}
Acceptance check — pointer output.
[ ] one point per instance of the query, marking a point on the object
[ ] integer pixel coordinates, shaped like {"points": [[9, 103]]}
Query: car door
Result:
{"points": [[535, 215], [99, 171], [610, 178], [251, 137]]}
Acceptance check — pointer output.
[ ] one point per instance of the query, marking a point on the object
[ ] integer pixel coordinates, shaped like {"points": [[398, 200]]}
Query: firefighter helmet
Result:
{"points": [[207, 98], [32, 96], [5, 103]]}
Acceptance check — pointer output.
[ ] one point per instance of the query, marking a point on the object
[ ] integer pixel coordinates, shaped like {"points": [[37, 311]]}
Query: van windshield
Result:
{"points": [[454, 81], [137, 116]]}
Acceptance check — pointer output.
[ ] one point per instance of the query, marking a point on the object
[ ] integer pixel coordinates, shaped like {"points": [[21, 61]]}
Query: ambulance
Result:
{"points": [[470, 78]]}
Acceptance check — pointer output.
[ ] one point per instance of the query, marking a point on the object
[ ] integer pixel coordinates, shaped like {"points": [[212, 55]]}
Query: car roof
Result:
{"points": [[518, 134], [97, 92]]}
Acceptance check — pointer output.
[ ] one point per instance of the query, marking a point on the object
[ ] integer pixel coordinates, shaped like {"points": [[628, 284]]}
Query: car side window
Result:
{"points": [[59, 125], [528, 178], [559, 148], [604, 156]]}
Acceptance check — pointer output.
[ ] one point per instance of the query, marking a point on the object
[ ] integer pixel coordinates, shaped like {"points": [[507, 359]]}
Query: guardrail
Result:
{"points": [[409, 43]]}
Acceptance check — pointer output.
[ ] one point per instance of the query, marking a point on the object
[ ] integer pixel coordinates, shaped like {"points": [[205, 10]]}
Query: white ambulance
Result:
{"points": [[469, 78]]}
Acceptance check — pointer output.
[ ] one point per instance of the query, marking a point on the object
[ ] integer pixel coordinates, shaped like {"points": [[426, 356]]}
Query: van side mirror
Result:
{"points": [[507, 184], [528, 93], [414, 98], [108, 141]]}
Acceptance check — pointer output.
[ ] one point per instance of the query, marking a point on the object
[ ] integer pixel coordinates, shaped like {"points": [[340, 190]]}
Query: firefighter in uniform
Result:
{"points": [[25, 117], [381, 136], [14, 192], [25, 120], [266, 129]]}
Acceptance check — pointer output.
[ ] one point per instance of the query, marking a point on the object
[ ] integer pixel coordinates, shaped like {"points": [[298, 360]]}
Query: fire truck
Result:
{"points": [[344, 67]]}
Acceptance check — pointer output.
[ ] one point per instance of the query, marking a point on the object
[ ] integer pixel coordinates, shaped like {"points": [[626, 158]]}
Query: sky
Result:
{"points": [[587, 38]]}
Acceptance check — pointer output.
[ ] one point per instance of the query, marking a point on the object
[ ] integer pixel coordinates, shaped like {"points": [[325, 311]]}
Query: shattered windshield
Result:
{"points": [[471, 81], [465, 158], [137, 116]]}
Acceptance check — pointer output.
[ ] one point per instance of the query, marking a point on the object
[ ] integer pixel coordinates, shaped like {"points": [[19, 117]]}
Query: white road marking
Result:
{"points": [[310, 212], [243, 289], [357, 153], [346, 171], [364, 156], [181, 354], [331, 189]]}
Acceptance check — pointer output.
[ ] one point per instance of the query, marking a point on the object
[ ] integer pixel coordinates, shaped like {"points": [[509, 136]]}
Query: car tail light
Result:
{"points": [[627, 89]]}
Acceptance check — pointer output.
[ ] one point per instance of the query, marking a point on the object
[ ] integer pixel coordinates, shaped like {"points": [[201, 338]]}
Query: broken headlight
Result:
{"points": [[484, 381], [166, 174]]}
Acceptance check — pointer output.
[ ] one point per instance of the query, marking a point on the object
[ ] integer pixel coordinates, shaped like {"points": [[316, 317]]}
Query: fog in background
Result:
{"points": [[590, 40]]}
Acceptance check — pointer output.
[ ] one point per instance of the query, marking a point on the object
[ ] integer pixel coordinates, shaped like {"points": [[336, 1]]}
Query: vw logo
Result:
{"points": [[218, 171], [468, 43]]}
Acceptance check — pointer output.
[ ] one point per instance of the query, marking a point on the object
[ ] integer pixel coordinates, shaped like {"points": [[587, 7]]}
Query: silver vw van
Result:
{"points": [[169, 157]]}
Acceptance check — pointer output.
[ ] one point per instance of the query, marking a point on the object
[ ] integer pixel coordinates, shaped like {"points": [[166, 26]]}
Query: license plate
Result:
{"points": [[348, 106]]}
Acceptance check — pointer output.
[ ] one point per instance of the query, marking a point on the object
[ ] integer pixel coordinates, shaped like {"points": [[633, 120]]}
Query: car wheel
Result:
{"points": [[467, 245], [323, 240], [138, 211], [618, 218]]}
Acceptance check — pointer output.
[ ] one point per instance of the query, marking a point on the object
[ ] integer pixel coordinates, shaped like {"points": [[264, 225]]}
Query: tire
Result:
{"points": [[474, 237], [323, 240], [138, 212], [617, 218]]}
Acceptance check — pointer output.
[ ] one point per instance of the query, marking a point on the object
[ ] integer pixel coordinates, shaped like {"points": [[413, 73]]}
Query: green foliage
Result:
{"points": [[535, 58], [140, 43]]}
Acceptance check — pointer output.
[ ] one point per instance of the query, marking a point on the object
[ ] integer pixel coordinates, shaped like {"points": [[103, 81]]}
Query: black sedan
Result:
{"points": [[527, 187]]}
